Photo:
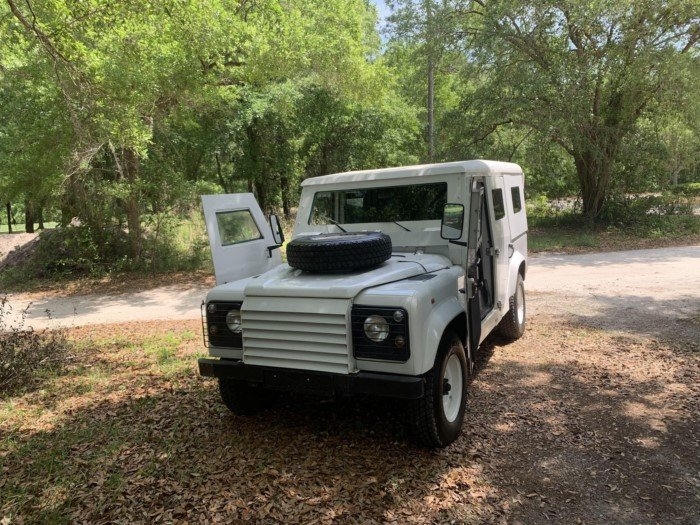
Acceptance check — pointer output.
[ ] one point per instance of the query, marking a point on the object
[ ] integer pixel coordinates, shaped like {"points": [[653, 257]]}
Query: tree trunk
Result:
{"points": [[132, 204], [284, 185], [431, 84], [261, 193], [594, 171], [40, 217], [220, 175], [8, 206], [28, 216]]}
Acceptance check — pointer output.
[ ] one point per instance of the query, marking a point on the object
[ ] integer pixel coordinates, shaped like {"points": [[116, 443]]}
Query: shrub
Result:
{"points": [[26, 354]]}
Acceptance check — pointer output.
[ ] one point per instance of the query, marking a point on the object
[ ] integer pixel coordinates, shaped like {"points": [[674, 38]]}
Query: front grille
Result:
{"points": [[298, 333], [216, 333]]}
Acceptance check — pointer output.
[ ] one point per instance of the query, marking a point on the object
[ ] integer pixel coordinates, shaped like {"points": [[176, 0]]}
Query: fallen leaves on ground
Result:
{"points": [[569, 424]]}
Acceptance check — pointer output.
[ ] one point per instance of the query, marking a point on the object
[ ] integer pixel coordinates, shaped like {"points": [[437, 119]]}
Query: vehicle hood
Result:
{"points": [[285, 281]]}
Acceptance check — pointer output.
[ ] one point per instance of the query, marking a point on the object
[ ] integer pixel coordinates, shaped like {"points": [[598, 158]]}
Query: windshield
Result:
{"points": [[418, 202]]}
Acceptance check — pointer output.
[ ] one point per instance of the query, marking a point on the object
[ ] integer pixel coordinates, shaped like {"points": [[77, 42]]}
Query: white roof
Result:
{"points": [[482, 167]]}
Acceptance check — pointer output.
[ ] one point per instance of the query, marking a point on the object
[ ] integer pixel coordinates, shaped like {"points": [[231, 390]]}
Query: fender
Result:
{"points": [[435, 324], [513, 266]]}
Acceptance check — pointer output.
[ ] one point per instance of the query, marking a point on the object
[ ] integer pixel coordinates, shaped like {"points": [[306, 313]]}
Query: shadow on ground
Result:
{"points": [[550, 437]]}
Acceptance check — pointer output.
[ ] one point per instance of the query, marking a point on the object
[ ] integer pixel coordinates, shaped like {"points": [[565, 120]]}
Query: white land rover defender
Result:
{"points": [[393, 279]]}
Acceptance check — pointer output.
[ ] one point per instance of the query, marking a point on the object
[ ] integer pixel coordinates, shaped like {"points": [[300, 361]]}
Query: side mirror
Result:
{"points": [[452, 221], [277, 233]]}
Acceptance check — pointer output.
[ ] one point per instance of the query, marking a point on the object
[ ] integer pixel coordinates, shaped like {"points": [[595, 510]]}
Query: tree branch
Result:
{"points": [[33, 28]]}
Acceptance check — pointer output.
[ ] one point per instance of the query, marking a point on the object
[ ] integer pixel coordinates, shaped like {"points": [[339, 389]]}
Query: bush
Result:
{"points": [[545, 213], [688, 190], [174, 243], [631, 211], [25, 354]]}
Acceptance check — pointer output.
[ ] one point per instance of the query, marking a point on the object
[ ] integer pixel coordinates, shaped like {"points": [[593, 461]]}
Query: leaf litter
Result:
{"points": [[591, 428]]}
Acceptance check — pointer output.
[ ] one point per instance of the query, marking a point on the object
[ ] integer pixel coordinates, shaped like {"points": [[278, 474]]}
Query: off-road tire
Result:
{"points": [[243, 399], [338, 252], [512, 326], [428, 422]]}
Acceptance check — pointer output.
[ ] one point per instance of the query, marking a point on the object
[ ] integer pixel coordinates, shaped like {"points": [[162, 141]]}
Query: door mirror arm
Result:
{"points": [[458, 243]]}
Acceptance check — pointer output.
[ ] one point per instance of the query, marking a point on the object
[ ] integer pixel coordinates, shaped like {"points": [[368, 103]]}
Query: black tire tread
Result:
{"points": [[423, 419], [354, 252], [509, 326], [242, 399]]}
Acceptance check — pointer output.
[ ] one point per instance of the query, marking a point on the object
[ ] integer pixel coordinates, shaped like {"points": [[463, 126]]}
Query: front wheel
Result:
{"points": [[243, 399], [436, 418], [512, 325]]}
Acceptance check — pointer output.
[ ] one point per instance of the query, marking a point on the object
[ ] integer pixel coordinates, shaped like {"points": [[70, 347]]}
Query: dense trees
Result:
{"points": [[590, 77], [122, 112], [116, 109]]}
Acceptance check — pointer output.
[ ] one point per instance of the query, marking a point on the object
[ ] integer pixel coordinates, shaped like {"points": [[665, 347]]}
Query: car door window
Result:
{"points": [[237, 226]]}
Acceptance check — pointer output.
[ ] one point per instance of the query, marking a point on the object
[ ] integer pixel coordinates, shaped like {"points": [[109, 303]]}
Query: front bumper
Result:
{"points": [[387, 385]]}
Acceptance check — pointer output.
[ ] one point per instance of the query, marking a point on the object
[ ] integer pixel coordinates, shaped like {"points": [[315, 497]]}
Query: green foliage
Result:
{"points": [[591, 98], [689, 189], [123, 113], [175, 244], [26, 355]]}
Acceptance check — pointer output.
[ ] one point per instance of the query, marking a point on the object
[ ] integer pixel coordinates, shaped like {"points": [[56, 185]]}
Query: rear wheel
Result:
{"points": [[243, 399], [512, 325], [437, 417]]}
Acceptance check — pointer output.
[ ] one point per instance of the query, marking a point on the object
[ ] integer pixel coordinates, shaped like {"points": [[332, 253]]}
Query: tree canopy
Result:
{"points": [[118, 112]]}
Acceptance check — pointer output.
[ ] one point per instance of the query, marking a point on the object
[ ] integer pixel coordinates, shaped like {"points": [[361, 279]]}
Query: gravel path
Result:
{"points": [[648, 292], [613, 290]]}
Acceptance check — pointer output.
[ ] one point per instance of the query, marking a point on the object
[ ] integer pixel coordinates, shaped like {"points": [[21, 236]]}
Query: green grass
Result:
{"points": [[567, 232], [19, 228], [560, 239]]}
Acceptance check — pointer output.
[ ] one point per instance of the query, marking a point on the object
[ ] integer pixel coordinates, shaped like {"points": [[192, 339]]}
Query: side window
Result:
{"points": [[236, 227], [499, 209], [515, 194]]}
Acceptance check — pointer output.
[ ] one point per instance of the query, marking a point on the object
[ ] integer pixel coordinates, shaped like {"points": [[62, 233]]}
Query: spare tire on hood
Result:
{"points": [[339, 252]]}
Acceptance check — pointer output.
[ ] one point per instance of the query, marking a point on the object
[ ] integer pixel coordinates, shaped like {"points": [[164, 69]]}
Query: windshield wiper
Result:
{"points": [[336, 224], [401, 225]]}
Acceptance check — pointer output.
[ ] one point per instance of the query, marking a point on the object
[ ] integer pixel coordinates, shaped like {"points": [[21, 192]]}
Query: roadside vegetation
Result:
{"points": [[28, 357]]}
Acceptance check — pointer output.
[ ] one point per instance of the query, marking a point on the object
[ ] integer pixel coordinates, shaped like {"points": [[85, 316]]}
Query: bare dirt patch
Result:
{"points": [[10, 242]]}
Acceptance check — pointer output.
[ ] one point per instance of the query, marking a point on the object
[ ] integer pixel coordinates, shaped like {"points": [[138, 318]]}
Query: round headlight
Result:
{"points": [[398, 316], [233, 321], [376, 328], [211, 308]]}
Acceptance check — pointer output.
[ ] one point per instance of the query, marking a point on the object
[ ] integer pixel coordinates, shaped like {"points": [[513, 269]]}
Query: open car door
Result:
{"points": [[242, 243]]}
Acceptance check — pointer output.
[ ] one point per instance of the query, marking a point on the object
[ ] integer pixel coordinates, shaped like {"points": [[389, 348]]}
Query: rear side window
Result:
{"points": [[499, 209], [515, 195], [237, 226]]}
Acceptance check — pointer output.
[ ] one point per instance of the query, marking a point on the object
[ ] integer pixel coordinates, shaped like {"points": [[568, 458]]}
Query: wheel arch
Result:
{"points": [[517, 266], [449, 315]]}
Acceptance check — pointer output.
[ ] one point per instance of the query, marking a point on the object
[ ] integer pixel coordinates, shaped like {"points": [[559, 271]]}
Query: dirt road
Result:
{"points": [[612, 290]]}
